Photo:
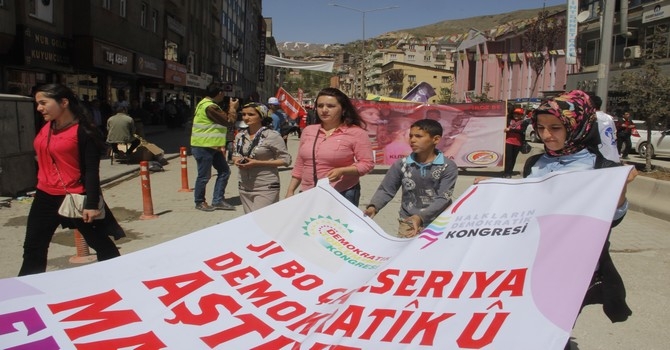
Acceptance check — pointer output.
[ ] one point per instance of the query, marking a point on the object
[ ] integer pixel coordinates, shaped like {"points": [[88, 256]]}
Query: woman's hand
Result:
{"points": [[246, 163], [335, 174], [90, 214]]}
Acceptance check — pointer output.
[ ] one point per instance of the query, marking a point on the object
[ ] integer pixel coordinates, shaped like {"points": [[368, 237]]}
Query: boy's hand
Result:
{"points": [[416, 223], [370, 211]]}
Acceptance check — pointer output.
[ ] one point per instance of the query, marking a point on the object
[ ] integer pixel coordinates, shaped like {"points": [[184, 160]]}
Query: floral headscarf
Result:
{"points": [[575, 110], [259, 107]]}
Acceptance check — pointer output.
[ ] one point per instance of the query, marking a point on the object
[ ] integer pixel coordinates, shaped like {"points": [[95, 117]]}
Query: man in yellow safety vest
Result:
{"points": [[208, 139]]}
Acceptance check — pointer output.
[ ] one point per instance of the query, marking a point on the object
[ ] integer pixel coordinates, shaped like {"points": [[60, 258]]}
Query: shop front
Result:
{"points": [[37, 57], [150, 72], [110, 65]]}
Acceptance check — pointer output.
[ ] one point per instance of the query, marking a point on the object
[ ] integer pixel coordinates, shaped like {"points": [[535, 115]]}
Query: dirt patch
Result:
{"points": [[657, 173]]}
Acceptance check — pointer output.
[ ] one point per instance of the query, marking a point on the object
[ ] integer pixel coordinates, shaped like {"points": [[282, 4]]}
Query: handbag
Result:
{"points": [[526, 148], [73, 204]]}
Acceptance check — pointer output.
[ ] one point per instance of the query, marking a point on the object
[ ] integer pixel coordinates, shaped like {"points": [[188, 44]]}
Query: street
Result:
{"points": [[640, 245]]}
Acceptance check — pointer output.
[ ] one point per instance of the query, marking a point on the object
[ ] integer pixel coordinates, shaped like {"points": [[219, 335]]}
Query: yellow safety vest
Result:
{"points": [[206, 133]]}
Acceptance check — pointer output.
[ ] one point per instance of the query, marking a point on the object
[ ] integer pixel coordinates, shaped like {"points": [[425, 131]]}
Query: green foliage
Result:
{"points": [[647, 93], [444, 97], [311, 82], [543, 35]]}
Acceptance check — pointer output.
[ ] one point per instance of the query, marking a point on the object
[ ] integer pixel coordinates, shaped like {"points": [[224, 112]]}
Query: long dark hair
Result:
{"points": [[60, 92], [349, 114]]}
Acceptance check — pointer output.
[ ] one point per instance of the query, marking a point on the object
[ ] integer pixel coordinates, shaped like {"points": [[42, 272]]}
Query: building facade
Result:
{"points": [[149, 50], [641, 35], [496, 63]]}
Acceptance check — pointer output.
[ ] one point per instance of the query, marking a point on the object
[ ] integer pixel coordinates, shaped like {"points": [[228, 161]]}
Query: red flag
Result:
{"points": [[289, 104]]}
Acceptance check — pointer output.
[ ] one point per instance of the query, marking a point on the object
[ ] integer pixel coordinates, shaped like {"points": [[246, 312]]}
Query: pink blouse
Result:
{"points": [[347, 146]]}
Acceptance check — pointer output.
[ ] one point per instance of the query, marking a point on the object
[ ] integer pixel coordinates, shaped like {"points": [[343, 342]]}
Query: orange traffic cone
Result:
{"points": [[147, 204], [184, 171], [83, 253]]}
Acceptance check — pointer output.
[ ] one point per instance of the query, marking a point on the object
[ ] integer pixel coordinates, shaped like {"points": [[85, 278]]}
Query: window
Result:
{"points": [[426, 58], [42, 10], [445, 80], [154, 21], [143, 15], [107, 4], [393, 56], [592, 54], [410, 57], [411, 78], [122, 8]]}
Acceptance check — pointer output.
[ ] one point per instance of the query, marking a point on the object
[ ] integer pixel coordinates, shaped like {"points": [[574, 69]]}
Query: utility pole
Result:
{"points": [[607, 30], [363, 52]]}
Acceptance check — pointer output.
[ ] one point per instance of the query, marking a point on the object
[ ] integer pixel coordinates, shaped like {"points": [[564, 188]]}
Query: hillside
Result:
{"points": [[459, 26], [435, 30]]}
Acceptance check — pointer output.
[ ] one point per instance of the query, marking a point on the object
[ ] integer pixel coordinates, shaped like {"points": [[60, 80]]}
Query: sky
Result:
{"points": [[315, 21]]}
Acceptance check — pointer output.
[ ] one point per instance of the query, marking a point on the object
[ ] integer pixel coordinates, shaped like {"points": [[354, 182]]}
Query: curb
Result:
{"points": [[649, 196], [134, 170]]}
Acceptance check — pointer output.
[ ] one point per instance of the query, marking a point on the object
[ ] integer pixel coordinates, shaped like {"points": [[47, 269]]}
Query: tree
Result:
{"points": [[647, 92], [444, 97], [545, 34], [394, 80]]}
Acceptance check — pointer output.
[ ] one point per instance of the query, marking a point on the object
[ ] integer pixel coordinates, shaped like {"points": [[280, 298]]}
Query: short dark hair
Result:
{"points": [[597, 101], [431, 126], [214, 88]]}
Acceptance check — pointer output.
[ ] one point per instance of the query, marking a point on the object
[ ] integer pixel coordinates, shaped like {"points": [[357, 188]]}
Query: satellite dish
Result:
{"points": [[583, 16]]}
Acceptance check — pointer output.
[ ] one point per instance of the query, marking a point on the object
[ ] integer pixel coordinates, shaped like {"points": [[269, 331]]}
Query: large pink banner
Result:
{"points": [[473, 133], [505, 267]]}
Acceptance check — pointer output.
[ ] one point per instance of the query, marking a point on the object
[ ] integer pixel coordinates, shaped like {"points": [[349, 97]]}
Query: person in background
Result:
{"points": [[567, 125], [624, 133], [139, 115], [607, 129], [427, 179], [279, 118], [514, 138], [338, 148], [121, 129], [67, 149], [259, 151], [208, 137], [96, 115]]}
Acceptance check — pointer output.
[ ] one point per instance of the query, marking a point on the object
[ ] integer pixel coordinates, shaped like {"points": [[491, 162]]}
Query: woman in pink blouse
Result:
{"points": [[337, 148]]}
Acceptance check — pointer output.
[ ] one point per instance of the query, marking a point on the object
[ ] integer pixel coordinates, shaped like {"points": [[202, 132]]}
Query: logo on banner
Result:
{"points": [[482, 157], [335, 237]]}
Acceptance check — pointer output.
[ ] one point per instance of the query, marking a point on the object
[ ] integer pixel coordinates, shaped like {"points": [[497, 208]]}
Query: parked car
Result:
{"points": [[659, 145]]}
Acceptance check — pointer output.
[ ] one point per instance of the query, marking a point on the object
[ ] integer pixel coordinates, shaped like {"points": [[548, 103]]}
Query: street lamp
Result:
{"points": [[363, 12]]}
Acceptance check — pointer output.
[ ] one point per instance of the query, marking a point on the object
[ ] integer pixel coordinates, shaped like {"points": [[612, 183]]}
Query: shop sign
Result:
{"points": [[175, 26], [175, 73], [658, 12], [149, 66], [196, 81], [112, 58], [41, 47]]}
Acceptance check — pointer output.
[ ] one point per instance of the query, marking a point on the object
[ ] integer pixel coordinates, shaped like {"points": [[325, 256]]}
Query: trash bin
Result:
{"points": [[18, 169]]}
